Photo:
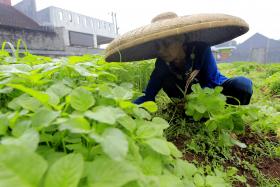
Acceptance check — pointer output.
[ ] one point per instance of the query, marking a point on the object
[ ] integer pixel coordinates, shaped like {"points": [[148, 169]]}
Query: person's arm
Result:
{"points": [[210, 75], [155, 83]]}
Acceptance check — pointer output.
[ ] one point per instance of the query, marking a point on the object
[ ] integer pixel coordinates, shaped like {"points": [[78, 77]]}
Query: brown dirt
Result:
{"points": [[191, 157], [249, 176], [270, 167], [179, 141]]}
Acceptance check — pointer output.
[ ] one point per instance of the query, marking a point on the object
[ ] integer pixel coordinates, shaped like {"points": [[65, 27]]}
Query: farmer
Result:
{"points": [[182, 48]]}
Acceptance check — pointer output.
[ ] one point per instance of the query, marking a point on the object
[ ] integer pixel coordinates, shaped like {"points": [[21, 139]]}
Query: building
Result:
{"points": [[221, 54], [53, 31], [258, 48], [223, 51]]}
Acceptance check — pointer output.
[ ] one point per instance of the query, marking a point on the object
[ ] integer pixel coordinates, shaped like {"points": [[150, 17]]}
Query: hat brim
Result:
{"points": [[139, 44]]}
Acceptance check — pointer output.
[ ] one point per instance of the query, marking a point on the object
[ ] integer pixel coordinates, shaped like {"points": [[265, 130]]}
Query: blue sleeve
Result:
{"points": [[210, 75], [155, 83]]}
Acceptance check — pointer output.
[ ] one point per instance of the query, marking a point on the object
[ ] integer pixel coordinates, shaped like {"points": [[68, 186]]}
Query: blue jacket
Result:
{"points": [[169, 77]]}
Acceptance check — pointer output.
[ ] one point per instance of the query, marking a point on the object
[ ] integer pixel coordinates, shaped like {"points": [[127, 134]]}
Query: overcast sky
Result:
{"points": [[263, 16]]}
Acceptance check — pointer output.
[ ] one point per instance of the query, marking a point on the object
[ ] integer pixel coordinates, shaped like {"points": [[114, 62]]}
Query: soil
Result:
{"points": [[270, 167]]}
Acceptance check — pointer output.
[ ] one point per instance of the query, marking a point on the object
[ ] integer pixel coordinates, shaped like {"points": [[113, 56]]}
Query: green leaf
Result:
{"points": [[225, 139], [218, 89], [196, 88], [42, 97], [104, 172], [174, 151], [65, 172], [16, 68], [83, 71], [152, 165], [81, 99], [122, 93], [114, 143], [20, 167], [50, 154], [238, 143], [26, 102], [169, 180], [20, 127], [43, 117], [127, 122], [150, 106], [159, 145], [185, 169], [147, 130], [161, 122], [198, 180], [105, 114], [239, 124], [29, 139], [126, 104], [6, 90], [211, 125], [141, 113], [53, 98], [197, 116], [4, 123], [214, 181], [78, 148], [76, 125], [200, 108], [59, 89], [118, 92]]}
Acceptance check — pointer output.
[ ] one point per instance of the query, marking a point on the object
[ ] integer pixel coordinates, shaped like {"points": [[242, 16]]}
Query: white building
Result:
{"points": [[80, 30]]}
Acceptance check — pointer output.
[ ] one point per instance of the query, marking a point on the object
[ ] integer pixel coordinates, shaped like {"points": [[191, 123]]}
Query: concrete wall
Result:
{"points": [[38, 40]]}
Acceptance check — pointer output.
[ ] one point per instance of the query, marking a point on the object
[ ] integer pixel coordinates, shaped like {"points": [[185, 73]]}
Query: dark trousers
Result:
{"points": [[240, 88]]}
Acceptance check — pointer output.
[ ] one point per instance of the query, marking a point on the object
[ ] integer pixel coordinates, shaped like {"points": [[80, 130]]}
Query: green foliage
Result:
{"points": [[70, 122], [67, 122], [225, 119], [204, 102], [81, 99], [212, 139], [273, 83], [65, 172], [20, 167]]}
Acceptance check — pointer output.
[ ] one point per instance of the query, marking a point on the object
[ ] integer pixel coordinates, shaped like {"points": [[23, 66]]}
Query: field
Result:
{"points": [[69, 122]]}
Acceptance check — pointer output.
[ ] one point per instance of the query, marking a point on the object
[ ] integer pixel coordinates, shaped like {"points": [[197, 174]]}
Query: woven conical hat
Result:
{"points": [[139, 44]]}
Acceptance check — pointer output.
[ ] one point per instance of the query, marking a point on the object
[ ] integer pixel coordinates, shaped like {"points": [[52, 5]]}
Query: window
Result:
{"points": [[98, 24], [78, 20], [60, 16], [70, 17]]}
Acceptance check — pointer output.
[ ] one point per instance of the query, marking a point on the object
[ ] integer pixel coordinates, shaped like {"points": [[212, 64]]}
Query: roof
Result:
{"points": [[214, 48], [9, 16]]}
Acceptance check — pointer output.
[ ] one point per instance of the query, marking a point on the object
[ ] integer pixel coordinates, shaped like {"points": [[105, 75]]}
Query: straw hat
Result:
{"points": [[139, 44]]}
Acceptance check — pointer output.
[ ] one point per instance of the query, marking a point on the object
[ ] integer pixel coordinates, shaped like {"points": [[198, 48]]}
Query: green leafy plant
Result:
{"points": [[211, 105], [66, 122]]}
